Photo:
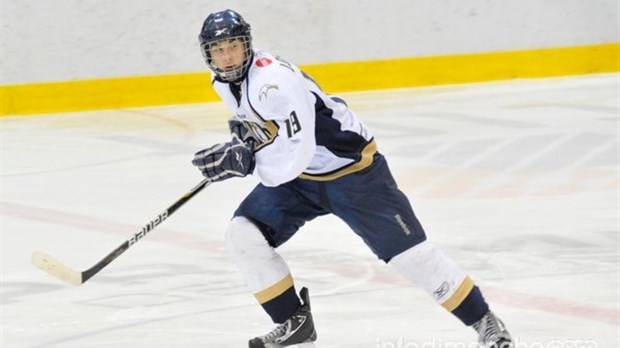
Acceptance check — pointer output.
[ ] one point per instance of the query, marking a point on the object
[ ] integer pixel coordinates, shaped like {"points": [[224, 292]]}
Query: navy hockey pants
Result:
{"points": [[368, 201]]}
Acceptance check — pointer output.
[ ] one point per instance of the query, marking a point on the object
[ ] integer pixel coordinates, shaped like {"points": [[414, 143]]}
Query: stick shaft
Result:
{"points": [[144, 231], [57, 269]]}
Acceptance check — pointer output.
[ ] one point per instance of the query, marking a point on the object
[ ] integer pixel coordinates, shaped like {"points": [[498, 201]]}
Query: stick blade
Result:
{"points": [[52, 266]]}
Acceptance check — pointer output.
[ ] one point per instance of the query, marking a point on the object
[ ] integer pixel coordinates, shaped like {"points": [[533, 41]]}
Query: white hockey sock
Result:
{"points": [[429, 268], [265, 272]]}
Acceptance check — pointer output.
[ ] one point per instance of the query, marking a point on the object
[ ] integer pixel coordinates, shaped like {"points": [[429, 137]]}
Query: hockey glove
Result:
{"points": [[225, 160]]}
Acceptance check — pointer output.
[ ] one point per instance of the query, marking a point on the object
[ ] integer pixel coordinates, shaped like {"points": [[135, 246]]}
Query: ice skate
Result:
{"points": [[492, 333], [296, 330]]}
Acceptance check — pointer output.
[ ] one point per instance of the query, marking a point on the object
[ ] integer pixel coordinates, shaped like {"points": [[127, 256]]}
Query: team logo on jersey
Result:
{"points": [[262, 94], [263, 62], [262, 133]]}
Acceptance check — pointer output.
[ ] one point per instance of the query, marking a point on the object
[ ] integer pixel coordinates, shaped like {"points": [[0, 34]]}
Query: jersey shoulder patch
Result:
{"points": [[263, 92], [267, 83], [263, 62]]}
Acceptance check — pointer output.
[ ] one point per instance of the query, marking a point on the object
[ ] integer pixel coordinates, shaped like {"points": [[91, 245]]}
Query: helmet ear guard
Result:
{"points": [[226, 25]]}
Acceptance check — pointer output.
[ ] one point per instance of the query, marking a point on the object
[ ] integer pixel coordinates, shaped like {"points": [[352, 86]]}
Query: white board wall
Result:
{"points": [[82, 39]]}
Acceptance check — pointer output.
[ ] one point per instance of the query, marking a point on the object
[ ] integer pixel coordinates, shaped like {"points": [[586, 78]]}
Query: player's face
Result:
{"points": [[228, 55]]}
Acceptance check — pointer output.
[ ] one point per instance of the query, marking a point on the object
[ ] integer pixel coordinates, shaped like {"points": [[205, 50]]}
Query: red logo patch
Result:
{"points": [[263, 62]]}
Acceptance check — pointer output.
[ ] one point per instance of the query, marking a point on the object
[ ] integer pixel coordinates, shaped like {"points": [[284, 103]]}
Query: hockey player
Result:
{"points": [[313, 157]]}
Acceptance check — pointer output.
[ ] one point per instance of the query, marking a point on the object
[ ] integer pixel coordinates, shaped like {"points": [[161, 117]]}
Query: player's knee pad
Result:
{"points": [[244, 240], [428, 267], [261, 266]]}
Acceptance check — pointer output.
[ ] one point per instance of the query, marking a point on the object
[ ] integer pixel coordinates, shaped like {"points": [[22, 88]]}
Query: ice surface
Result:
{"points": [[518, 181]]}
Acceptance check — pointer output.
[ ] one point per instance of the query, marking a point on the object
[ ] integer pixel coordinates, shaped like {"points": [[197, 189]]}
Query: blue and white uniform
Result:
{"points": [[315, 157]]}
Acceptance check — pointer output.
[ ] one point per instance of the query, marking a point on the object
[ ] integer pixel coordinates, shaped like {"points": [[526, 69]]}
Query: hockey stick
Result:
{"points": [[65, 273]]}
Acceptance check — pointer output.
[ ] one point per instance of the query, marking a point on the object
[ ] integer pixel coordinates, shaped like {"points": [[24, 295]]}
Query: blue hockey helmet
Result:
{"points": [[226, 25]]}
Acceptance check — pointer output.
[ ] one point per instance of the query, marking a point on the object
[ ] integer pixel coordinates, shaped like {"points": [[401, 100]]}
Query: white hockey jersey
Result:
{"points": [[302, 131]]}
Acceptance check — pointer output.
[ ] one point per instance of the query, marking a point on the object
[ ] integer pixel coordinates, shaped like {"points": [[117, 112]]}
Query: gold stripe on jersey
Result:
{"points": [[275, 290], [459, 295], [367, 158]]}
